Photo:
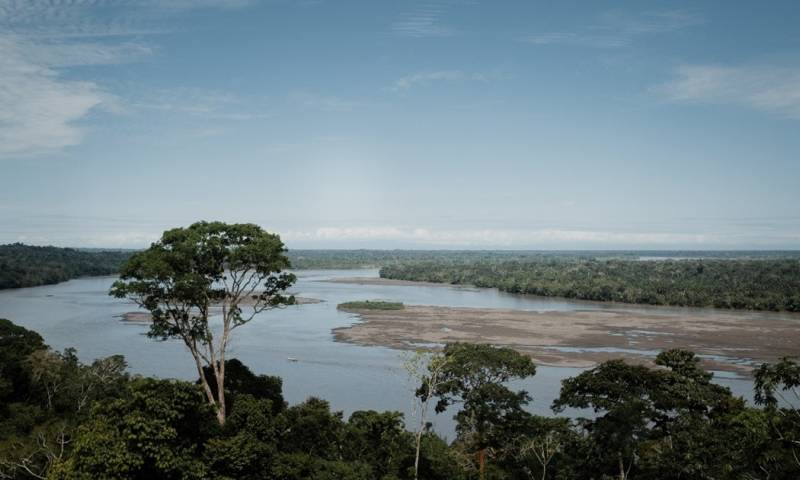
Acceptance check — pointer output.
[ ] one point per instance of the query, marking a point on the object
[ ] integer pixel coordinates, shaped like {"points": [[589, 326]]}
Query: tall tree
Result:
{"points": [[206, 270], [475, 376], [777, 388], [425, 370]]}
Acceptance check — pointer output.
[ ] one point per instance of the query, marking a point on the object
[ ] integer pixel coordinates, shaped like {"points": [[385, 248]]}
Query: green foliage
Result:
{"points": [[754, 284], [778, 388], [66, 385], [70, 420], [649, 420], [16, 344], [154, 430], [371, 305], [234, 268], [179, 277], [351, 259], [28, 266], [475, 376], [381, 440], [304, 466], [240, 380], [46, 395]]}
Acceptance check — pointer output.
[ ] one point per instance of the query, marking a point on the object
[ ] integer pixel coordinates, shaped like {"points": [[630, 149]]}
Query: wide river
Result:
{"points": [[81, 314]]}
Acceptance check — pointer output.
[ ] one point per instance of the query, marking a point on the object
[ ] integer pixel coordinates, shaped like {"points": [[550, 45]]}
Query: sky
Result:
{"points": [[466, 124]]}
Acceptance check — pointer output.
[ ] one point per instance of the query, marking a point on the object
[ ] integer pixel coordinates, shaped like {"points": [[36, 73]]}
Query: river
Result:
{"points": [[80, 313]]}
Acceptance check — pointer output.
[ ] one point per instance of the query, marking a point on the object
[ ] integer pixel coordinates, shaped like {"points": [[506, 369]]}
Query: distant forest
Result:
{"points": [[754, 280], [351, 259], [28, 266], [737, 283]]}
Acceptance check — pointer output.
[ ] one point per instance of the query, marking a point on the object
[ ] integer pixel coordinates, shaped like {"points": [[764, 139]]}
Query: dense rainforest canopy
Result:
{"points": [[321, 259], [28, 266], [61, 418], [753, 284]]}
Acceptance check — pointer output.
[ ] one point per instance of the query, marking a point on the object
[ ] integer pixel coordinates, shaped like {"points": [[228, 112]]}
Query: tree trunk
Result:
{"points": [[221, 395], [482, 463], [621, 467], [206, 388], [416, 457]]}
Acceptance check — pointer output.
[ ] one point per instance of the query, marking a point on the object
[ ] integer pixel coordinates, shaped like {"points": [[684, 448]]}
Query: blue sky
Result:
{"points": [[401, 124]]}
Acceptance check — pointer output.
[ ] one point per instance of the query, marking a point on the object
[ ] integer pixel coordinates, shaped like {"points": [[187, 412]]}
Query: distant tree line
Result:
{"points": [[351, 259], [29, 266], [724, 279], [61, 418], [753, 284]]}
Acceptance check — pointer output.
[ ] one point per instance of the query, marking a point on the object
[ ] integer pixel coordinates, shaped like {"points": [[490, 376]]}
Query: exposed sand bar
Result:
{"points": [[732, 341]]}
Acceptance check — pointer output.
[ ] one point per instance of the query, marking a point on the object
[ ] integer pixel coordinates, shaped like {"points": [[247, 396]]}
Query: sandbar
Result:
{"points": [[728, 341]]}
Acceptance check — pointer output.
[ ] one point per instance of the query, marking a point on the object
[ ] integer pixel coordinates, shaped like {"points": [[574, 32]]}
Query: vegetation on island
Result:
{"points": [[752, 284], [28, 266], [371, 305], [64, 419]]}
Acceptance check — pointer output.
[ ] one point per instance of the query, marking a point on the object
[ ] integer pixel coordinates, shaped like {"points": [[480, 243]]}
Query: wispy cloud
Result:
{"points": [[615, 29], [424, 21], [326, 103], [425, 78], [98, 18], [41, 108], [766, 88], [201, 103]]}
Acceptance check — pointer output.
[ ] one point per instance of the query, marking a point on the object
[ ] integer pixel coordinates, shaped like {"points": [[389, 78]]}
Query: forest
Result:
{"points": [[351, 259], [736, 283], [61, 418], [737, 280], [29, 266]]}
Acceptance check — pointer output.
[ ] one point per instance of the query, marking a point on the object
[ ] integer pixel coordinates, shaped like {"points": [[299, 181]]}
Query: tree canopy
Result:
{"points": [[207, 269], [65, 419]]}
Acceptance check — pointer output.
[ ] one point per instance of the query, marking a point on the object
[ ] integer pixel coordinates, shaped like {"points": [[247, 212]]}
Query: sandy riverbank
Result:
{"points": [[730, 341]]}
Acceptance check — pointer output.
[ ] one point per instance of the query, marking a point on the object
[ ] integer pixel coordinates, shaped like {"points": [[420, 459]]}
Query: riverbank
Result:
{"points": [[727, 341]]}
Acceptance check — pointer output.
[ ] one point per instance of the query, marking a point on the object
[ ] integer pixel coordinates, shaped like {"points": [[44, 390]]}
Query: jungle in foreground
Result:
{"points": [[60, 418]]}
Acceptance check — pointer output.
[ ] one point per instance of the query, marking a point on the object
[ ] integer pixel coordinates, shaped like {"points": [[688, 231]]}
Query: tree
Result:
{"points": [[640, 410], [426, 371], [16, 344], [193, 274], [240, 380], [380, 440], [623, 393], [537, 450], [777, 387], [474, 375], [156, 429], [50, 394]]}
